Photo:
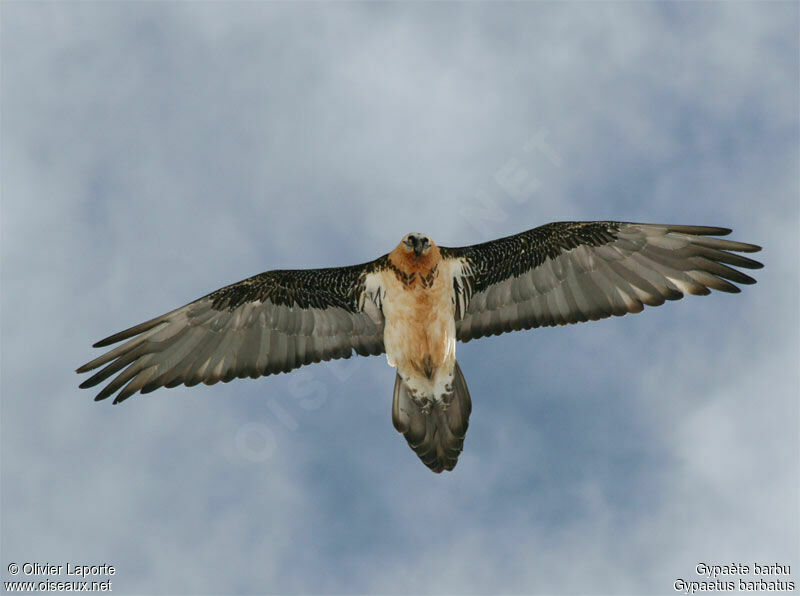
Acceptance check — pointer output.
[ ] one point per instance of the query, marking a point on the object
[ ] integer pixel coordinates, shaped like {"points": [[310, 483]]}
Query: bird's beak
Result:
{"points": [[418, 247]]}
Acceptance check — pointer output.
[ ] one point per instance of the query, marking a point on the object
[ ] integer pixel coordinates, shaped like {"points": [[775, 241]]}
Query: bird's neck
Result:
{"points": [[415, 270]]}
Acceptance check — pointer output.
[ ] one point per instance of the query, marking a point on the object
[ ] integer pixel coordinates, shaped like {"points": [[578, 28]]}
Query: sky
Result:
{"points": [[153, 152]]}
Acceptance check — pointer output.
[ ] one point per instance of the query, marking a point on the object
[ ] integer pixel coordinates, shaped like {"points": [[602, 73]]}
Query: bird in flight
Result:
{"points": [[413, 304]]}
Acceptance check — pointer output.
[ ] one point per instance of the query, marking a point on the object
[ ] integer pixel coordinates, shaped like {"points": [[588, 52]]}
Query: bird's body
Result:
{"points": [[419, 321], [413, 304]]}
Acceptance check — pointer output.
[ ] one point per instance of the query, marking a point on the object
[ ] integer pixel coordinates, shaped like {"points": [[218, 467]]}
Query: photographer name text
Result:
{"points": [[68, 569]]}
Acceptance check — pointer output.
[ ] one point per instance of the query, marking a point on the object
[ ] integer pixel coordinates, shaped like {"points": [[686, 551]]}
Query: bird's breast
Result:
{"points": [[419, 332]]}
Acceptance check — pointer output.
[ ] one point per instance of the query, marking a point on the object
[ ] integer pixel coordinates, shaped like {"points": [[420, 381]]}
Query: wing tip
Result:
{"points": [[133, 331], [749, 248], [714, 231], [87, 384], [123, 395], [684, 229], [111, 339]]}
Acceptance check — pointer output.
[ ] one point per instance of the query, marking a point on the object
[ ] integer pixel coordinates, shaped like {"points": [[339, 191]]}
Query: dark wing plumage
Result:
{"points": [[270, 323], [566, 272]]}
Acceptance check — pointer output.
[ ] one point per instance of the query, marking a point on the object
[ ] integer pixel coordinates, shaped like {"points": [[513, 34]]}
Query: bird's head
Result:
{"points": [[418, 244]]}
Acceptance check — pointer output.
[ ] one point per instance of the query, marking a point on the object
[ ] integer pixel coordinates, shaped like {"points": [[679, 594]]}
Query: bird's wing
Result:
{"points": [[566, 272], [270, 323]]}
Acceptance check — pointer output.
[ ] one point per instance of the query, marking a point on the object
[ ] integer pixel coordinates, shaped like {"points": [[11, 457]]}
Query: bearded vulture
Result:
{"points": [[413, 304]]}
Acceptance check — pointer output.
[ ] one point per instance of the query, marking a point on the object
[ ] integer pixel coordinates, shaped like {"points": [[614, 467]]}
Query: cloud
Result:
{"points": [[153, 152]]}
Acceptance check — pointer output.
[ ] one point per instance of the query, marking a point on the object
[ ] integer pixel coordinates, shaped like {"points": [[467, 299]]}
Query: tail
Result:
{"points": [[437, 436]]}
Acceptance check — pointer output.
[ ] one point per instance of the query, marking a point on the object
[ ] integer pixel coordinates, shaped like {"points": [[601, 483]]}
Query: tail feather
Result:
{"points": [[437, 436]]}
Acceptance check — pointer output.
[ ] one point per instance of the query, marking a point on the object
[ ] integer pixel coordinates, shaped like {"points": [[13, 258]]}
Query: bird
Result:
{"points": [[414, 304]]}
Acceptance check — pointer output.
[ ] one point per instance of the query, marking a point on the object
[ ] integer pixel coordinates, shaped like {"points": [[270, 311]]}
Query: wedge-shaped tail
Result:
{"points": [[436, 436]]}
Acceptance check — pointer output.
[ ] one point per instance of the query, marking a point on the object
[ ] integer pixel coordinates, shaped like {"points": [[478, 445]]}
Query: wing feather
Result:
{"points": [[566, 272], [172, 370], [270, 323]]}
